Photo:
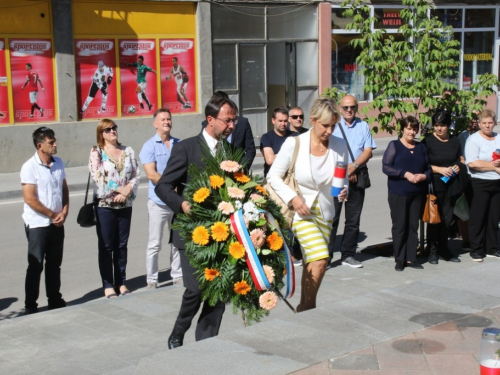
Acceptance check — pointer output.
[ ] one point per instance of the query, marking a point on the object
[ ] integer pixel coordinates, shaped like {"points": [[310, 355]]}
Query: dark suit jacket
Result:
{"points": [[242, 138], [183, 154]]}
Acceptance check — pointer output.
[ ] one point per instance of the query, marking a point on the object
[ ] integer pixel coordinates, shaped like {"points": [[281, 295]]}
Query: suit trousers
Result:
{"points": [[353, 208], [211, 316], [160, 220], [405, 215], [44, 243], [484, 216], [113, 230]]}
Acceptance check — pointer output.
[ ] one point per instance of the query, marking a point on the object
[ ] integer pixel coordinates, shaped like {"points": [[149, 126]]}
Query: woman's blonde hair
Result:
{"points": [[324, 109], [101, 126], [487, 113]]}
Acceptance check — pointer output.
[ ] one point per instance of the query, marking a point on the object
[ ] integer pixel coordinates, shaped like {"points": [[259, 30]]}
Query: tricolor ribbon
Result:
{"points": [[255, 267]]}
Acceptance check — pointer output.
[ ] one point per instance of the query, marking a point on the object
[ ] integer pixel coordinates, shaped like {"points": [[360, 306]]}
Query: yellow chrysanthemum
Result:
{"points": [[201, 194], [237, 250], [241, 177], [274, 241], [242, 287], [261, 190], [200, 236], [220, 231], [216, 181], [211, 273]]}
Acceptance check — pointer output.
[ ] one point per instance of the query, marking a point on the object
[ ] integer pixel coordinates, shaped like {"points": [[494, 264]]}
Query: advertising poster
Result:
{"points": [[4, 91], [32, 80], [95, 78], [178, 78], [139, 91]]}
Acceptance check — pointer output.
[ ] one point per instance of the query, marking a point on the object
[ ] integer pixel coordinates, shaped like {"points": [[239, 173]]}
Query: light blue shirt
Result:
{"points": [[358, 136], [155, 151]]}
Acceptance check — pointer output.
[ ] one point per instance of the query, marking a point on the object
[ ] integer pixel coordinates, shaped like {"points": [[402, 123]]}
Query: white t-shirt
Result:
{"points": [[322, 168], [479, 148], [49, 188]]}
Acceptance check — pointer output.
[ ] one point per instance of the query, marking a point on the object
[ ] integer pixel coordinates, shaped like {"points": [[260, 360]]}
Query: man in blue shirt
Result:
{"points": [[154, 157], [361, 142]]}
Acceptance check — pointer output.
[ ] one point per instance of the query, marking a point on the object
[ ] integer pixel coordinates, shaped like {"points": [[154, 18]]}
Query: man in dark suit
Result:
{"points": [[221, 119], [242, 136]]}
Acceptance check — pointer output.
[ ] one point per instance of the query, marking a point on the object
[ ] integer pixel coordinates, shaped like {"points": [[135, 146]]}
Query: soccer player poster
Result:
{"points": [[4, 91], [139, 90], [178, 78], [95, 78], [32, 78]]}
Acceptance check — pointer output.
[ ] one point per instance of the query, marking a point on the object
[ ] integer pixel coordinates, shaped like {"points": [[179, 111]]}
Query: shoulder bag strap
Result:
{"points": [[348, 147], [291, 169], [87, 191]]}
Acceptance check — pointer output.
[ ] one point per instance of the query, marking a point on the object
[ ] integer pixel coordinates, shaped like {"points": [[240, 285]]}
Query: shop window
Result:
{"points": [[237, 22], [224, 66], [478, 55], [479, 18], [307, 61], [388, 18], [253, 76], [292, 22], [449, 17]]}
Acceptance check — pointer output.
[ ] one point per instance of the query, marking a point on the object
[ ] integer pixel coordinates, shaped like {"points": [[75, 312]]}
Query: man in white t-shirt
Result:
{"points": [[46, 203]]}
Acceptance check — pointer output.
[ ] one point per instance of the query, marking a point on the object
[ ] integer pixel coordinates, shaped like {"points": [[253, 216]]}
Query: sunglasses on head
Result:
{"points": [[108, 130], [347, 107], [295, 117]]}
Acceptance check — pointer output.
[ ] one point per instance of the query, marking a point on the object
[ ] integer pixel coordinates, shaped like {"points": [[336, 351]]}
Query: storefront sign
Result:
{"points": [[478, 57], [391, 18], [96, 78], [4, 91], [32, 80], [351, 67]]}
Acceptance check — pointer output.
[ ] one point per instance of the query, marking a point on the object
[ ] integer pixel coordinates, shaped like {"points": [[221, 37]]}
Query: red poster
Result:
{"points": [[32, 80], [4, 91], [138, 77], [178, 78], [95, 78]]}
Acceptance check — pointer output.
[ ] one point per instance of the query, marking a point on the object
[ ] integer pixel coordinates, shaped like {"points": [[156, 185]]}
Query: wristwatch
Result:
{"points": [[356, 165]]}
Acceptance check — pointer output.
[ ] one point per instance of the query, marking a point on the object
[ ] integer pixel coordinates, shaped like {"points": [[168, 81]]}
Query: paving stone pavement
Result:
{"points": [[371, 320]]}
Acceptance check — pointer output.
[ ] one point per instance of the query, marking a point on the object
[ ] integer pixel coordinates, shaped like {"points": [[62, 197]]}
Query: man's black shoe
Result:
{"points": [[57, 304], [414, 265], [174, 342], [30, 310], [476, 257], [433, 258], [400, 266], [495, 254]]}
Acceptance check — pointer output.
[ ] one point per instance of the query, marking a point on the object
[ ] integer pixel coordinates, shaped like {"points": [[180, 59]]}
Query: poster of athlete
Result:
{"points": [[178, 78], [96, 85], [32, 80], [139, 90], [4, 91]]}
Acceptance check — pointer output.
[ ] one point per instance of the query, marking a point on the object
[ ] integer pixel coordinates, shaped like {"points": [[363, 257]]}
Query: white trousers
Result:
{"points": [[160, 219]]}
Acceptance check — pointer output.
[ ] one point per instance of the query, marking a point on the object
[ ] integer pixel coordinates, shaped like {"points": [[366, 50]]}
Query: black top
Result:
{"points": [[273, 140], [397, 160]]}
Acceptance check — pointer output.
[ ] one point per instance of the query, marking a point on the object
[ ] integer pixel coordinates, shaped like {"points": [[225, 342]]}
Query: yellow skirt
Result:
{"points": [[313, 235]]}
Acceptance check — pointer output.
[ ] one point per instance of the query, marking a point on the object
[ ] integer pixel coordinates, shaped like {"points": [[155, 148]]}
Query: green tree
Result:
{"points": [[408, 75]]}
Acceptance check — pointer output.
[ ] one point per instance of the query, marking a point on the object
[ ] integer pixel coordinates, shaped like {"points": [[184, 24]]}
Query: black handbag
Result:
{"points": [[87, 216], [363, 178]]}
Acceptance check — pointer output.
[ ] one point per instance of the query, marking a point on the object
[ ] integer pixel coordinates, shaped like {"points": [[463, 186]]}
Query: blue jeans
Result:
{"points": [[113, 229]]}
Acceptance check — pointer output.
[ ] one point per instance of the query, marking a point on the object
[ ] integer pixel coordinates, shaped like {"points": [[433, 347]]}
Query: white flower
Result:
{"points": [[237, 205], [250, 207]]}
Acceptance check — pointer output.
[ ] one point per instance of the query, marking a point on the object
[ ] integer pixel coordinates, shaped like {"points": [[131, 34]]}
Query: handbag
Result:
{"points": [[87, 216], [363, 178], [287, 210], [431, 210]]}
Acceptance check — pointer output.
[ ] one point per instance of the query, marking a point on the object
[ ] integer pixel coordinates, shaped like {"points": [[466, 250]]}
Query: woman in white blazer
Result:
{"points": [[314, 209]]}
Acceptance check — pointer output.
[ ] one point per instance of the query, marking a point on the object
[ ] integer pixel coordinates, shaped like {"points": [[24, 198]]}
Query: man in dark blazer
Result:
{"points": [[242, 136], [221, 117]]}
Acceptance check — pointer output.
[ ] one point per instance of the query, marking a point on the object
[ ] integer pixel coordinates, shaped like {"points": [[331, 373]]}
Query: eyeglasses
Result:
{"points": [[108, 130], [295, 117], [229, 121], [351, 107]]}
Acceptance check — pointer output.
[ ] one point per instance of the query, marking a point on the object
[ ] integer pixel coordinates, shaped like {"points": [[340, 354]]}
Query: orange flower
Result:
{"points": [[241, 177], [211, 273], [220, 231], [216, 181], [200, 236], [237, 250], [242, 287], [201, 194], [274, 241], [261, 189]]}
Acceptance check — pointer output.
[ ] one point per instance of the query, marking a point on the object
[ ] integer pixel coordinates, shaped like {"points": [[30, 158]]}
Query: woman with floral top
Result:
{"points": [[116, 176]]}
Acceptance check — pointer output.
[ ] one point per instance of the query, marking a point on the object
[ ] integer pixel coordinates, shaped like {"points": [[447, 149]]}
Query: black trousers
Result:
{"points": [[211, 316], [405, 215], [484, 216], [353, 208], [44, 242], [113, 230]]}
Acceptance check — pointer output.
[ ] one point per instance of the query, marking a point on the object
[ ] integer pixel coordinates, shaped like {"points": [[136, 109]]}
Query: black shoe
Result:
{"points": [[57, 305], [150, 106], [142, 106], [174, 341], [433, 258], [30, 310], [449, 257], [476, 257], [414, 265], [400, 266], [495, 254]]}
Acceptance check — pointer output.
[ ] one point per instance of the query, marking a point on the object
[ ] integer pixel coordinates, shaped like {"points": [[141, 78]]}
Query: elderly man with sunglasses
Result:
{"points": [[360, 141]]}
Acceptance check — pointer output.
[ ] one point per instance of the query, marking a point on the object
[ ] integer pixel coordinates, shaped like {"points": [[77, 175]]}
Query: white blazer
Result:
{"points": [[303, 173]]}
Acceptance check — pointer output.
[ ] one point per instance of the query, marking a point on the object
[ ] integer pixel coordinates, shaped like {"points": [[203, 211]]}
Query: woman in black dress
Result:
{"points": [[448, 180]]}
